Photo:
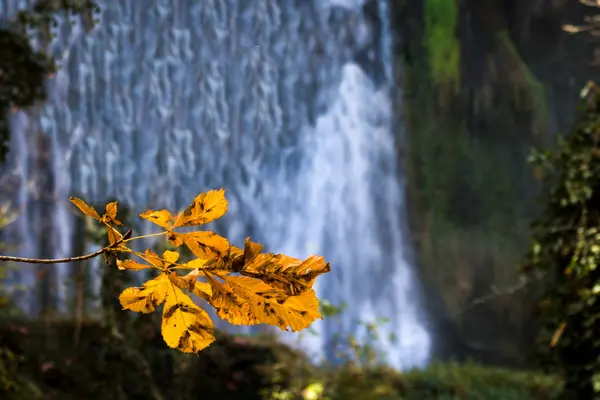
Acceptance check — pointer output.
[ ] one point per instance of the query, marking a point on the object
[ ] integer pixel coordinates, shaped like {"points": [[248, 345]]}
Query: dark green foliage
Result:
{"points": [[566, 251], [471, 381], [234, 368], [23, 69]]}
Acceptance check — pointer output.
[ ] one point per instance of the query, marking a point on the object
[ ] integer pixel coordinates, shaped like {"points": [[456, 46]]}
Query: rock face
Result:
{"points": [[484, 82]]}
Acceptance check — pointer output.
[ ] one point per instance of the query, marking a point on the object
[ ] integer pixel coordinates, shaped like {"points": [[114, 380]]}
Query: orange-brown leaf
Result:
{"points": [[130, 264], [162, 218], [145, 299], [289, 274], [113, 234], [170, 257], [270, 306], [185, 326], [85, 208], [205, 208], [190, 282], [228, 305], [204, 245], [110, 216]]}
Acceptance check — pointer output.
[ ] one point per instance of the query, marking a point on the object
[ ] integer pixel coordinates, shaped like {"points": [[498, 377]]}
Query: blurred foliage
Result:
{"points": [[14, 385], [252, 367], [471, 191], [566, 251], [25, 68], [441, 43]]}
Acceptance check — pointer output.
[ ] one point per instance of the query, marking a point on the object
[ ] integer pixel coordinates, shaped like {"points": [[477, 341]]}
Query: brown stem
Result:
{"points": [[496, 293], [68, 259]]}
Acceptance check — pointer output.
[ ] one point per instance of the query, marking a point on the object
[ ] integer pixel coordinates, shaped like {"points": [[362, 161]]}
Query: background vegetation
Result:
{"points": [[470, 123]]}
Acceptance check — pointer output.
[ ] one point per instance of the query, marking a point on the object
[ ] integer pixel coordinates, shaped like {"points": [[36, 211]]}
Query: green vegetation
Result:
{"points": [[24, 70], [441, 42], [566, 251], [234, 368], [471, 192]]}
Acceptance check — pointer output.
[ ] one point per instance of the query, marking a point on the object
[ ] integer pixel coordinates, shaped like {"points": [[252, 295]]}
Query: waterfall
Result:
{"points": [[167, 99]]}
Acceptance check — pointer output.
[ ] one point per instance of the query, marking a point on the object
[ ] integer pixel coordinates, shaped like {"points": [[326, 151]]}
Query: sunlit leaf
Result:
{"points": [[270, 306], [113, 234], [185, 326], [289, 274], [85, 208], [145, 299], [132, 265], [203, 244], [110, 216], [205, 208], [162, 218]]}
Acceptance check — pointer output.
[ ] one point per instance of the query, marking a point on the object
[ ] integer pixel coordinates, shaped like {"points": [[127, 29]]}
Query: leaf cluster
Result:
{"points": [[244, 286], [566, 249]]}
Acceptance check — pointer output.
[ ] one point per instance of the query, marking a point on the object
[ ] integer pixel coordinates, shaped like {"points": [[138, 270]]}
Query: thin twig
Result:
{"points": [[496, 293], [68, 259]]}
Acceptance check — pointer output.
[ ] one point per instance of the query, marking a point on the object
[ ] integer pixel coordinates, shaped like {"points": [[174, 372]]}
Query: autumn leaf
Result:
{"points": [[185, 326], [267, 305], [190, 282], [161, 218], [85, 208], [110, 216], [167, 261], [229, 306], [557, 334], [289, 274], [113, 235], [205, 208], [203, 244], [132, 265], [145, 299]]}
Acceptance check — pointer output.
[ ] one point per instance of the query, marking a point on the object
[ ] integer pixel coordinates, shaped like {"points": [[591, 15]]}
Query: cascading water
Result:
{"points": [[166, 99]]}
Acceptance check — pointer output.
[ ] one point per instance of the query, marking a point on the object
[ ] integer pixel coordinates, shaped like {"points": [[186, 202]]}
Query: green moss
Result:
{"points": [[531, 93], [443, 47], [471, 381]]}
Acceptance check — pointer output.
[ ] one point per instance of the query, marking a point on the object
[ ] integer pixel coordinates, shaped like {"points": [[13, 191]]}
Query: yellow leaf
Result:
{"points": [[162, 218], [152, 258], [111, 214], [193, 264], [202, 288], [113, 234], [270, 306], [145, 299], [190, 282], [204, 245], [130, 264], [84, 208], [167, 261], [229, 306], [170, 257], [205, 208], [185, 326], [288, 274]]}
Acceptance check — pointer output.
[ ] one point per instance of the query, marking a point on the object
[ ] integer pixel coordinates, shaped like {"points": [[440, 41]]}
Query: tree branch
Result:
{"points": [[496, 293], [68, 259]]}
